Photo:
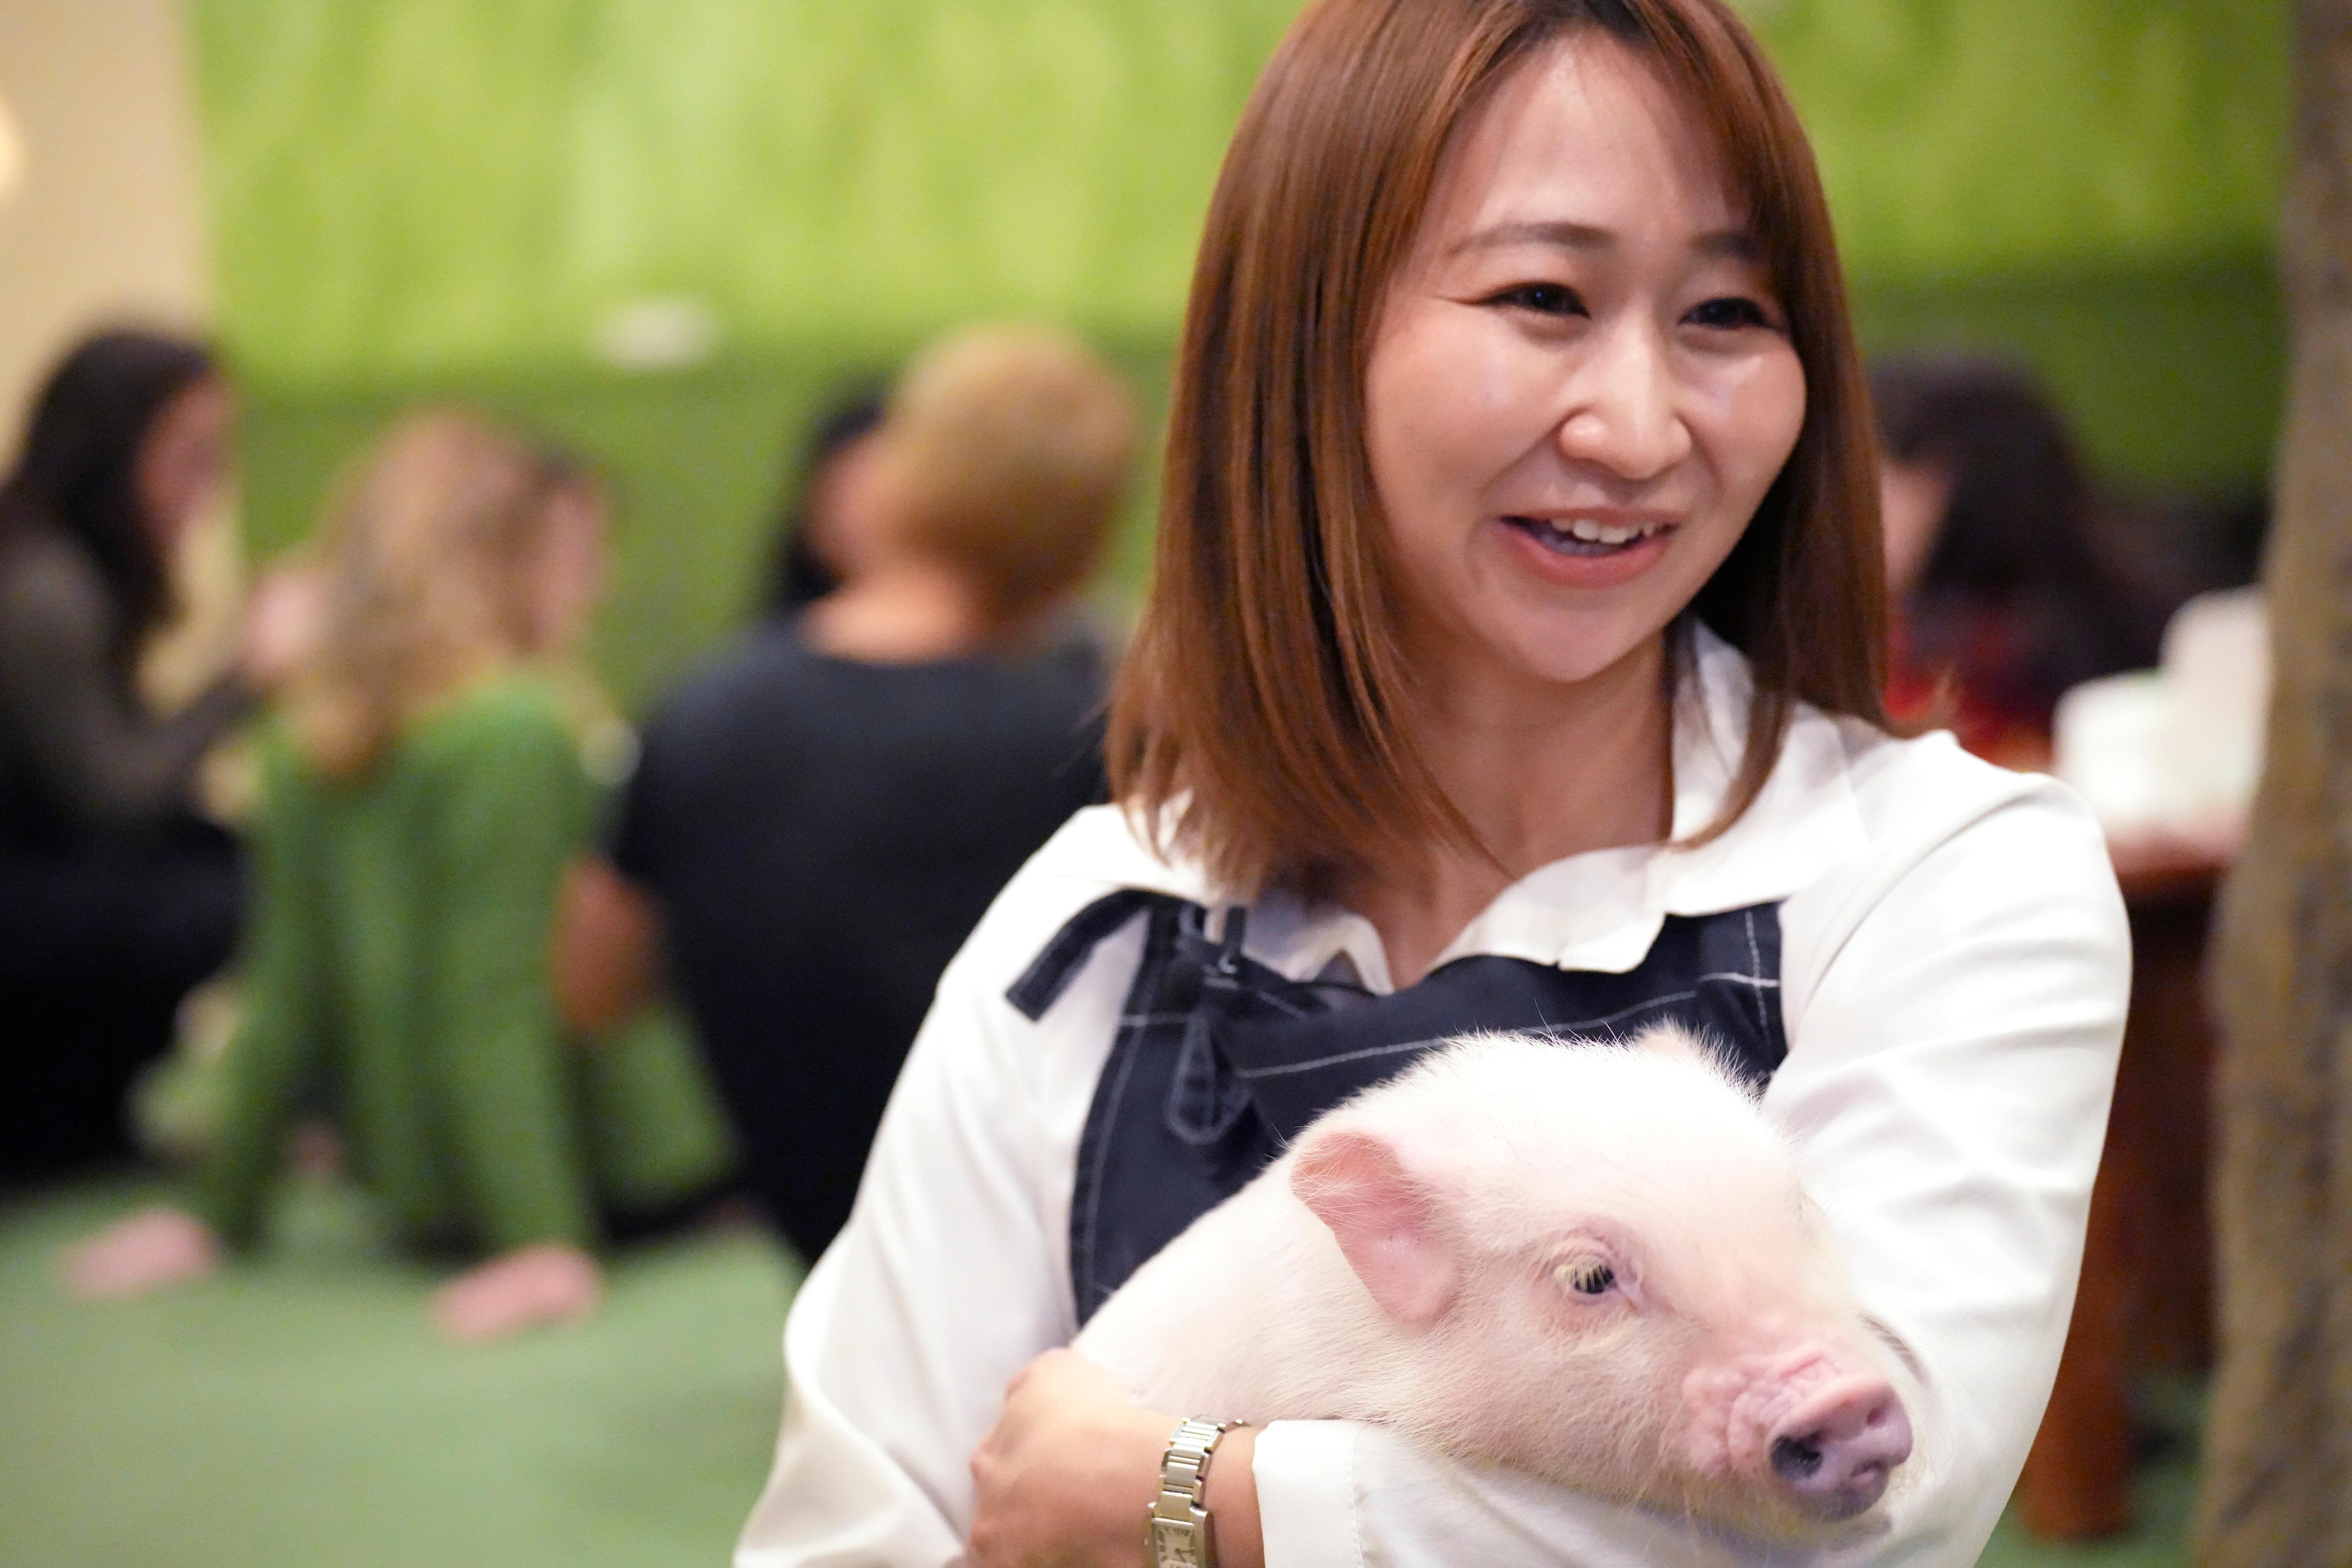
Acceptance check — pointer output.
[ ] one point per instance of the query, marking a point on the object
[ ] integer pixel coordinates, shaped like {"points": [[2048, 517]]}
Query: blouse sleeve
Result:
{"points": [[1960, 1026], [949, 1279], [1954, 1009]]}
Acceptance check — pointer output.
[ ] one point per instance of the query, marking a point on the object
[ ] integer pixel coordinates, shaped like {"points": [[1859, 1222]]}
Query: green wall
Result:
{"points": [[441, 197], [425, 186]]}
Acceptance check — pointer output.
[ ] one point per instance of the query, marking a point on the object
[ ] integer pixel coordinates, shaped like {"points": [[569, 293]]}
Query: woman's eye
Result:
{"points": [[1586, 1277], [1728, 314], [1543, 299]]}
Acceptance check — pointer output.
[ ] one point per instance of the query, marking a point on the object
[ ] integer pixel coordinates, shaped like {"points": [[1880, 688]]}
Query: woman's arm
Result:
{"points": [[276, 1049], [284, 969], [1067, 1471], [1955, 1050], [511, 814], [103, 764], [1954, 1008], [1955, 1005], [606, 952]]}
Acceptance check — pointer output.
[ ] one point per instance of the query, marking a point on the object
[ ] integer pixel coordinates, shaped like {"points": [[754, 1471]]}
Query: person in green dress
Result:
{"points": [[428, 781]]}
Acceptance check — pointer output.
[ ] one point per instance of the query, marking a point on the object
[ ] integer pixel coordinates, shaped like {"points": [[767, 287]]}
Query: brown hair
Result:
{"points": [[1011, 445], [1260, 718], [427, 548]]}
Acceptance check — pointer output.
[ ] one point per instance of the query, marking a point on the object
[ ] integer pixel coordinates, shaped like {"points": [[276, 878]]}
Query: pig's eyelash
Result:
{"points": [[1589, 1277]]}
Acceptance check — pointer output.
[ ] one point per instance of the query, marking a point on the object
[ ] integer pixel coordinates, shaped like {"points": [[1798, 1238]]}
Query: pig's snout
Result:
{"points": [[1834, 1453]]}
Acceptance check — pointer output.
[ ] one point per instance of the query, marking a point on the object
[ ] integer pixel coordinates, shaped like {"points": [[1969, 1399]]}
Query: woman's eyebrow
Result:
{"points": [[1559, 233], [1738, 244]]}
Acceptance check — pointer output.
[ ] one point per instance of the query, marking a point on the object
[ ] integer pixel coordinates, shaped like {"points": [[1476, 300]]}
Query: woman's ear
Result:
{"points": [[1386, 1222]]}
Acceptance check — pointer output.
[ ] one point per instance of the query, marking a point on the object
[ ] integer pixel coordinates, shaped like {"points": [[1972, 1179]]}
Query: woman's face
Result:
{"points": [[183, 461], [1581, 384], [840, 506]]}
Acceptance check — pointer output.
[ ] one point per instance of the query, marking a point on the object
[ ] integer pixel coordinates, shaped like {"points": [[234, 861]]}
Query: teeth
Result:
{"points": [[1595, 532]]}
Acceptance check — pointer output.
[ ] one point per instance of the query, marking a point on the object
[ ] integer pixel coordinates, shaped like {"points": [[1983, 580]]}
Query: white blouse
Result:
{"points": [[1954, 971]]}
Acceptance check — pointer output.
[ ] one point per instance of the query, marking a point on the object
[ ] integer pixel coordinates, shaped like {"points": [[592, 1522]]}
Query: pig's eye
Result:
{"points": [[1586, 1277]]}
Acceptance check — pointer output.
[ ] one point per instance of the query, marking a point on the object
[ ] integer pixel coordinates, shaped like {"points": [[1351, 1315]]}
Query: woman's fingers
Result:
{"points": [[146, 1251], [1065, 1474]]}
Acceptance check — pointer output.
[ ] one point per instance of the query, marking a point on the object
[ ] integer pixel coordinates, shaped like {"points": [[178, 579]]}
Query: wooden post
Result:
{"points": [[2278, 1475]]}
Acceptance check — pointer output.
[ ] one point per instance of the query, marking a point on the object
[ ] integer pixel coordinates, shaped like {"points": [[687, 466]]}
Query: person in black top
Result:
{"points": [[818, 820], [115, 898]]}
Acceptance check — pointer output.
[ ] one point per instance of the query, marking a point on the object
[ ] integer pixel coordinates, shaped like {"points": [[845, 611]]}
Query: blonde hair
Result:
{"points": [[426, 549], [1012, 446]]}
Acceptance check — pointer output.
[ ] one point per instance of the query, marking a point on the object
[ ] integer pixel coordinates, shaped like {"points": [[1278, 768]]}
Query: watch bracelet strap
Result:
{"points": [[1176, 1527]]}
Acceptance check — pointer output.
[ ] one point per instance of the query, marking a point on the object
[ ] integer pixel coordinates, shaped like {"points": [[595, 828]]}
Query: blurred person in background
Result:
{"points": [[818, 820], [115, 897], [424, 790], [809, 535], [2003, 591]]}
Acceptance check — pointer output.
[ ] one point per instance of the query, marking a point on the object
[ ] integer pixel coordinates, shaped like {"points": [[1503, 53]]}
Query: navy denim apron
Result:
{"points": [[1218, 1062]]}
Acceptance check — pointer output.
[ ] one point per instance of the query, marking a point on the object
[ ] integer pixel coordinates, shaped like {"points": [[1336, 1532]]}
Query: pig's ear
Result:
{"points": [[1386, 1223]]}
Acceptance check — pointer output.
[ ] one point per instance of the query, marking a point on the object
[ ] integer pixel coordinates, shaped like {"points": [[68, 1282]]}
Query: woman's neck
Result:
{"points": [[910, 614], [1539, 775]]}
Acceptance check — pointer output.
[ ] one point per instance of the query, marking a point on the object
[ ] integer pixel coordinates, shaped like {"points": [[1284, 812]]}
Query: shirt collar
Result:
{"points": [[1601, 910]]}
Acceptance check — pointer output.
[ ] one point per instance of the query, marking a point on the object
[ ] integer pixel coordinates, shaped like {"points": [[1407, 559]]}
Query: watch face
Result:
{"points": [[1175, 1545]]}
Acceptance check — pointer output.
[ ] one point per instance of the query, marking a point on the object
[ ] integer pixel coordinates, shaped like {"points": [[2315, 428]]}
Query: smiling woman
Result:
{"points": [[1511, 663], [1496, 312]]}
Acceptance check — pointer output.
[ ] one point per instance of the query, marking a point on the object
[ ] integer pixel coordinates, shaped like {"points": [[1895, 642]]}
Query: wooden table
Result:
{"points": [[2146, 1300]]}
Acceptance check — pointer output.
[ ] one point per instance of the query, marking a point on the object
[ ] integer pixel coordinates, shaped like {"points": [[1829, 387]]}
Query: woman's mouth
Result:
{"points": [[1589, 553], [1588, 537]]}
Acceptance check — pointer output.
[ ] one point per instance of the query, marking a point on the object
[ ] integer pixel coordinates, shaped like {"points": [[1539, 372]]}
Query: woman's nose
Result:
{"points": [[1624, 414]]}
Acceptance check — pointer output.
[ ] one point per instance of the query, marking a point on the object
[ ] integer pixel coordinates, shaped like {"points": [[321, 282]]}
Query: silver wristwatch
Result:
{"points": [[1177, 1526]]}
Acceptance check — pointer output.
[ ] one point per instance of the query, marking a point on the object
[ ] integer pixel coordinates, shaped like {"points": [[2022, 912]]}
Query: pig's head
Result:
{"points": [[1596, 1263]]}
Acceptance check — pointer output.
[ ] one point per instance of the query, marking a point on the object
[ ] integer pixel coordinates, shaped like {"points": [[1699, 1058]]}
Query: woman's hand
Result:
{"points": [[285, 621], [1068, 1472], [148, 1251], [1072, 1466], [605, 955]]}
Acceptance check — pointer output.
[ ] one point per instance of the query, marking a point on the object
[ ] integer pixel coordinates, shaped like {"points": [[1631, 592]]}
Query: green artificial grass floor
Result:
{"points": [[305, 1413]]}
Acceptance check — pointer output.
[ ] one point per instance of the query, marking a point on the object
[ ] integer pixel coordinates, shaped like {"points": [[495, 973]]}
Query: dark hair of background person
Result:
{"points": [[797, 575], [78, 471], [2021, 594], [1262, 709]]}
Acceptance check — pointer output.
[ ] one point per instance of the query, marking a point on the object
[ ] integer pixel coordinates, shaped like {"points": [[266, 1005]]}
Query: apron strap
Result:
{"points": [[1050, 973]]}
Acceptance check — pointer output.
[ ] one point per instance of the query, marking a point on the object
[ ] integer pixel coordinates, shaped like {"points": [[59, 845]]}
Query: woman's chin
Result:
{"points": [[1548, 656]]}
